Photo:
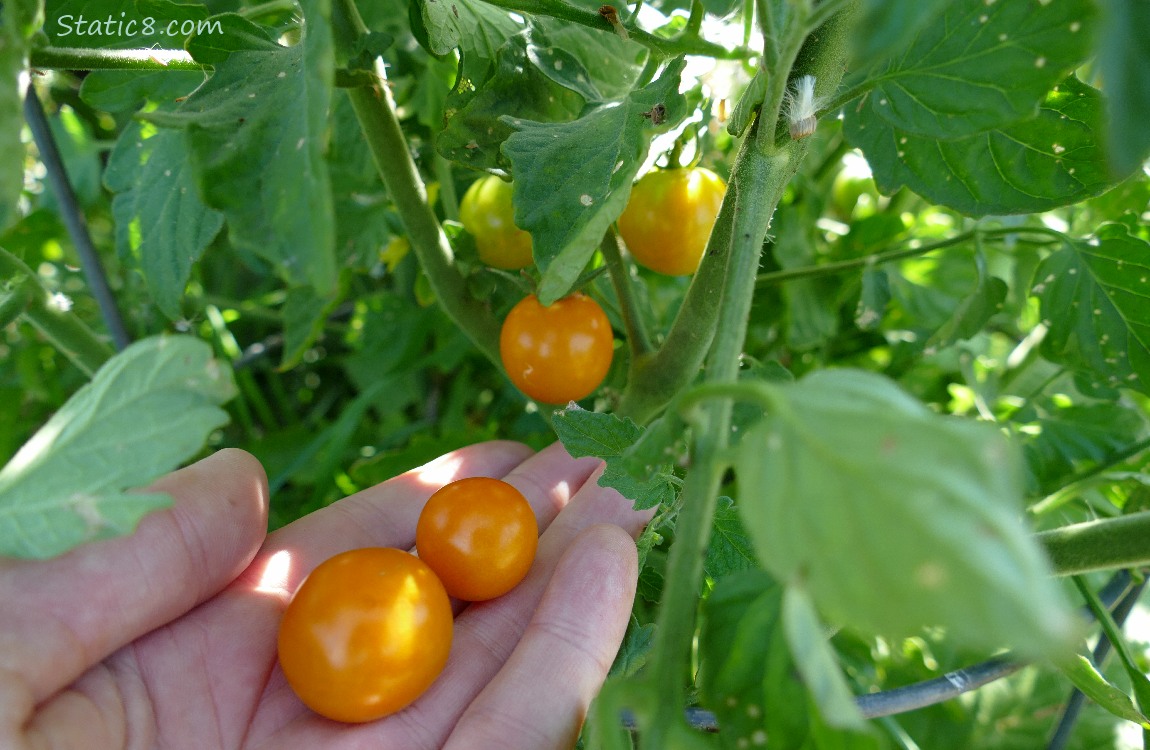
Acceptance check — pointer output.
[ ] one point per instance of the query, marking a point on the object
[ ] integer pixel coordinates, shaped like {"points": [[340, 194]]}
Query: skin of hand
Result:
{"points": [[167, 637]]}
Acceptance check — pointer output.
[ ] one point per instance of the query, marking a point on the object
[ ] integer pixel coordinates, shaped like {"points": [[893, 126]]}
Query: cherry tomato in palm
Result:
{"points": [[479, 535], [366, 633], [669, 218], [487, 213], [558, 353]]}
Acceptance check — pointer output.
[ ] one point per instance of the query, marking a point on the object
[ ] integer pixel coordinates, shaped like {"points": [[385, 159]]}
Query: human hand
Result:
{"points": [[166, 638]]}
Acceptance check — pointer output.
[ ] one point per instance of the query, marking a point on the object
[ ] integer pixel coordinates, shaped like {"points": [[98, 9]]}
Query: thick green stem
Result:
{"points": [[1122, 542], [375, 111], [75, 58], [64, 330], [755, 191]]}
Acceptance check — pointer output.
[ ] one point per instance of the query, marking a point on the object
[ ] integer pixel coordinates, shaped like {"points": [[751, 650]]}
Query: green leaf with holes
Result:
{"points": [[256, 132], [475, 130], [980, 66], [1052, 160], [160, 220], [145, 411], [573, 179], [1095, 301]]}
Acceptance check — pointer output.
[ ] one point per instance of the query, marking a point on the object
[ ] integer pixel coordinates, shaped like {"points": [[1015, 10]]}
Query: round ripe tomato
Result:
{"points": [[479, 536], [486, 212], [366, 633], [669, 217], [558, 353]]}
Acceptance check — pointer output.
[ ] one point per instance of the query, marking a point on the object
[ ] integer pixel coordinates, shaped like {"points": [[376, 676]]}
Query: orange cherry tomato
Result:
{"points": [[487, 213], [366, 633], [669, 218], [479, 535], [558, 353]]}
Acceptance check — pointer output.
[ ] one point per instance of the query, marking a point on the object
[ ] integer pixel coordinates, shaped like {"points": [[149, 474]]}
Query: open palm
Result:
{"points": [[167, 638]]}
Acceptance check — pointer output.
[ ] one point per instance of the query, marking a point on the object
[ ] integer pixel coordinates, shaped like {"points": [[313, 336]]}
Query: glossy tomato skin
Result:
{"points": [[487, 213], [558, 353], [366, 633], [669, 218], [479, 535]]}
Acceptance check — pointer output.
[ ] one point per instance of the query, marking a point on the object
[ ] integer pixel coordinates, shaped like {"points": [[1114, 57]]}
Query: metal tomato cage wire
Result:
{"points": [[73, 218], [1120, 594]]}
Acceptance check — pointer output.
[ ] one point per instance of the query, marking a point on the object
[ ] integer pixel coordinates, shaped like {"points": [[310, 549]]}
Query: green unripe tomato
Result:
{"points": [[487, 213]]}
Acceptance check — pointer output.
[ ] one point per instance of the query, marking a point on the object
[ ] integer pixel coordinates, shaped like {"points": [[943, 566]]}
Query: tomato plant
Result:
{"points": [[913, 359], [669, 217], [366, 634], [479, 536], [487, 212], [557, 353]]}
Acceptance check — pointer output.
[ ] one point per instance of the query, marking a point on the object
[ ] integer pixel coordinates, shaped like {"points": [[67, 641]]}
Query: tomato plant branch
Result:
{"points": [[637, 336], [875, 259], [375, 110], [76, 58], [1122, 542], [683, 44], [63, 329]]}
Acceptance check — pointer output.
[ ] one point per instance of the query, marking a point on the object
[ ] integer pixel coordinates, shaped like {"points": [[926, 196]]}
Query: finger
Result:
{"points": [[76, 609], [540, 697]]}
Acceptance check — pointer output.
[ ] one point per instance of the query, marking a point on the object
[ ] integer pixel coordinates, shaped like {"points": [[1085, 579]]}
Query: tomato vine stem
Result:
{"points": [[375, 110], [63, 329]]}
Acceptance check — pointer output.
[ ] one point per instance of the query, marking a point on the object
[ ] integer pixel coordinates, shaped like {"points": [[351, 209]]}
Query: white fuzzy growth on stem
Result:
{"points": [[801, 105]]}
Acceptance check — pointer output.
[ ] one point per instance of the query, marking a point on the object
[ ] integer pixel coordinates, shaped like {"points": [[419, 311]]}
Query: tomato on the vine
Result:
{"points": [[479, 536], [557, 353], [366, 633], [669, 218], [487, 213]]}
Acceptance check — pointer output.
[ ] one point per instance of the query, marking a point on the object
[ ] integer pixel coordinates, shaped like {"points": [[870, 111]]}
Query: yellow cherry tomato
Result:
{"points": [[669, 218]]}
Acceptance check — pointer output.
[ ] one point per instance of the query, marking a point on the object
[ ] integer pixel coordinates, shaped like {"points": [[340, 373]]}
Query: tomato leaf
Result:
{"points": [[475, 130], [815, 660], [950, 82], [1094, 299], [605, 436], [305, 314], [746, 672], [886, 27], [1066, 438], [573, 179], [256, 132], [476, 28], [147, 409], [634, 650], [1094, 686], [916, 507], [127, 90], [231, 33], [972, 312], [730, 549], [1052, 160], [1124, 58], [160, 220]]}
